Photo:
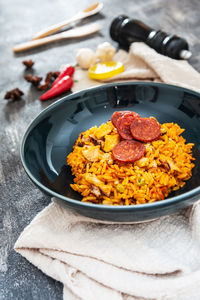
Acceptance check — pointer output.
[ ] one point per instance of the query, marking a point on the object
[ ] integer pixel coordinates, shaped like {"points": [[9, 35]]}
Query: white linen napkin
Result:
{"points": [[100, 260], [97, 260]]}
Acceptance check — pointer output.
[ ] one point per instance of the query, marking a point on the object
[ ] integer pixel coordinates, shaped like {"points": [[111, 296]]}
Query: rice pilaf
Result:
{"points": [[166, 166]]}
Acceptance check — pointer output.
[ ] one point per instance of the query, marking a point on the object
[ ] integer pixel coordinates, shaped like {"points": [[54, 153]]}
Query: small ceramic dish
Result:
{"points": [[51, 136]]}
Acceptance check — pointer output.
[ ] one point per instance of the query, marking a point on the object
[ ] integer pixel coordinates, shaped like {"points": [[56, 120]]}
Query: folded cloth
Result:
{"points": [[99, 260], [144, 63]]}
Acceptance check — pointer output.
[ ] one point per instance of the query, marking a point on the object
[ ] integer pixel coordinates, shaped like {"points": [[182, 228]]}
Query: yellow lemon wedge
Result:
{"points": [[105, 70]]}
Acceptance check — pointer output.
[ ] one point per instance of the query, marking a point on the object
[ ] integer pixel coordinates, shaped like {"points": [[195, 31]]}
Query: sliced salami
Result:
{"points": [[123, 124], [145, 129], [128, 151], [116, 115]]}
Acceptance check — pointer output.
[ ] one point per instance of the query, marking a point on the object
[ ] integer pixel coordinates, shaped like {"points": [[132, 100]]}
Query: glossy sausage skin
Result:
{"points": [[145, 129], [128, 151], [123, 125]]}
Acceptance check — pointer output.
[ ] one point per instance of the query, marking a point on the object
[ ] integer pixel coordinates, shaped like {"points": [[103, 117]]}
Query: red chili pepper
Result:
{"points": [[69, 70], [61, 87]]}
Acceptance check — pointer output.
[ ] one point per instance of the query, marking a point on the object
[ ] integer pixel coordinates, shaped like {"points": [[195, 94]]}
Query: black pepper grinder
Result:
{"points": [[126, 31]]}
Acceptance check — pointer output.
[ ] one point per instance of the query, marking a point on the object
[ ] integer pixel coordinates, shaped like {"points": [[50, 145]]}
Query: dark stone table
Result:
{"points": [[20, 199]]}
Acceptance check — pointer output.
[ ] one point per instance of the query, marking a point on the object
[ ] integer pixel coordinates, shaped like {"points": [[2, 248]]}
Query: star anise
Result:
{"points": [[28, 63], [14, 94], [35, 80], [48, 80]]}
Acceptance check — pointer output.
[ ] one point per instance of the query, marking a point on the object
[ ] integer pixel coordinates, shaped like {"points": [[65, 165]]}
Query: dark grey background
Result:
{"points": [[20, 199]]}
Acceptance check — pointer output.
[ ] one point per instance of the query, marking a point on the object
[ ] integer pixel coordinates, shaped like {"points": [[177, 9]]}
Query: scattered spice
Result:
{"points": [[35, 80], [14, 94], [48, 77], [58, 82], [55, 74], [28, 63], [51, 76], [43, 87]]}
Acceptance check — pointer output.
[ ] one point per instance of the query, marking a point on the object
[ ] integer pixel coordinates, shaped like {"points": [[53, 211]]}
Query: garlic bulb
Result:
{"points": [[85, 57], [105, 52]]}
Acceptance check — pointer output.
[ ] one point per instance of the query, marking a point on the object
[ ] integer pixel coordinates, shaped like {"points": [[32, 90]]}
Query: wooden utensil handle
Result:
{"points": [[56, 27], [39, 42], [77, 32]]}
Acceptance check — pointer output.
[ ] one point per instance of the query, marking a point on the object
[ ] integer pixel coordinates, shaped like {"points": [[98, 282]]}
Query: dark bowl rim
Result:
{"points": [[150, 206]]}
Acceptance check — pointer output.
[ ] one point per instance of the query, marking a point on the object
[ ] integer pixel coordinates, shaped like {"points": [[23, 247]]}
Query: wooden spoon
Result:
{"points": [[89, 11], [77, 32]]}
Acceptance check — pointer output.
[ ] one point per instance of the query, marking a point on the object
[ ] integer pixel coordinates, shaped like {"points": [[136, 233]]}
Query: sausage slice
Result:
{"points": [[123, 124], [128, 151], [145, 129], [116, 115]]}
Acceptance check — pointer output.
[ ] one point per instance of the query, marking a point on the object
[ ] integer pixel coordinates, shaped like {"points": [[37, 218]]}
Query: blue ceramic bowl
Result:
{"points": [[51, 136]]}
